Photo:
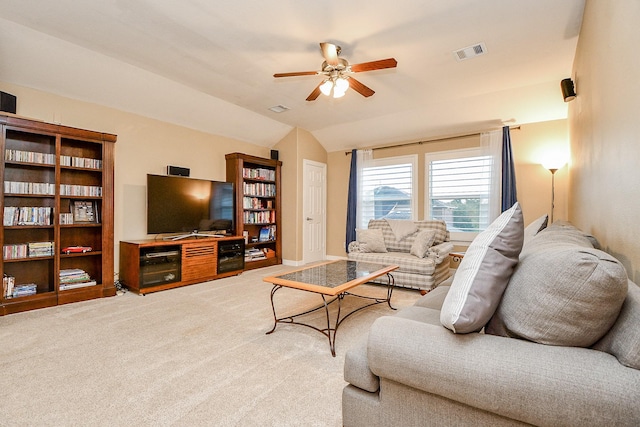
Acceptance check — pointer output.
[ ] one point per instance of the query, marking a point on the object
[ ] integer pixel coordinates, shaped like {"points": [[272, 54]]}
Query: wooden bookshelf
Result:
{"points": [[258, 206], [57, 193]]}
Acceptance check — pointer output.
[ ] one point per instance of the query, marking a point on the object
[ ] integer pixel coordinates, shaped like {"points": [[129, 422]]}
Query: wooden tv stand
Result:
{"points": [[155, 265]]}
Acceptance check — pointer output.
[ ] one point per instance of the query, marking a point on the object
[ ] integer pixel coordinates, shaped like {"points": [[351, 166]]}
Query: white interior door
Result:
{"points": [[314, 211]]}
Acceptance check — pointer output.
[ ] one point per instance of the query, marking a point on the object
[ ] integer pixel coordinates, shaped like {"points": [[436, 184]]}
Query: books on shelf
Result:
{"points": [[24, 290], [80, 190], [259, 173], [38, 249], [80, 162], [66, 218], [73, 278], [12, 290], [15, 251], [27, 215], [260, 189], [27, 250], [254, 254], [260, 217], [29, 157], [39, 188]]}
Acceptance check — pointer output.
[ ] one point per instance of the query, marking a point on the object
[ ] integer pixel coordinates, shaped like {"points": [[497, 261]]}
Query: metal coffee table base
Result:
{"points": [[330, 332]]}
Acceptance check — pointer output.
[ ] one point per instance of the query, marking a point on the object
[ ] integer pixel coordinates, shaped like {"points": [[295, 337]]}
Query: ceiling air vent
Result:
{"points": [[279, 108], [470, 51]]}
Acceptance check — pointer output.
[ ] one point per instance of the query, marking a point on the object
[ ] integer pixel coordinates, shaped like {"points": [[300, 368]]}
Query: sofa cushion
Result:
{"points": [[407, 262], [356, 367], [561, 294], [423, 241], [434, 298], [404, 245], [484, 273], [623, 339], [370, 240], [560, 232]]}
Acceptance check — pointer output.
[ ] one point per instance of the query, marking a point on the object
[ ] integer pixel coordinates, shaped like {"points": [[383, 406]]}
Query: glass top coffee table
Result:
{"points": [[333, 281]]}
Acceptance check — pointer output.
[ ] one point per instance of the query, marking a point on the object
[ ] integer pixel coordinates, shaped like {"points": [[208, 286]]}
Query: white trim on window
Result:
{"points": [[460, 179], [400, 175]]}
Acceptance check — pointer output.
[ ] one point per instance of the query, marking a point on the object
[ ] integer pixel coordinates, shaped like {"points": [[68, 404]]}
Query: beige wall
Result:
{"points": [[148, 146], [604, 128], [144, 146], [531, 145], [297, 146]]}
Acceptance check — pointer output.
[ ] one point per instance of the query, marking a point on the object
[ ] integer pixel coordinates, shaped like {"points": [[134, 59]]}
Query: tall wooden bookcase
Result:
{"points": [[57, 194], [258, 207]]}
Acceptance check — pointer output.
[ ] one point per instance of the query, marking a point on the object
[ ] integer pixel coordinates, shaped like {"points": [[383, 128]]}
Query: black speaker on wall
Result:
{"points": [[8, 102], [274, 154], [178, 171], [568, 90]]}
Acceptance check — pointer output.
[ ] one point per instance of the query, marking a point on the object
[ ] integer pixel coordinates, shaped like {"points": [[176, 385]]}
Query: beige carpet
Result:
{"points": [[192, 356]]}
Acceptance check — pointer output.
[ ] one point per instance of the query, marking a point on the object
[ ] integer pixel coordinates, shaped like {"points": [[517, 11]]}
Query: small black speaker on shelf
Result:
{"points": [[274, 154], [8, 102], [178, 171]]}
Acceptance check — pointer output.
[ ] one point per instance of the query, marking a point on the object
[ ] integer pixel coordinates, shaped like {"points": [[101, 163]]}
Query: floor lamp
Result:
{"points": [[553, 190], [553, 169]]}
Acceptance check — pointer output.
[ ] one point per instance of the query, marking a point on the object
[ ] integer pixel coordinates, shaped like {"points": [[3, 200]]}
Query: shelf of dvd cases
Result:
{"points": [[57, 195]]}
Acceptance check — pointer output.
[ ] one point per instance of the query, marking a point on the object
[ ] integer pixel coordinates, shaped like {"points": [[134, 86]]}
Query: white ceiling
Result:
{"points": [[209, 65]]}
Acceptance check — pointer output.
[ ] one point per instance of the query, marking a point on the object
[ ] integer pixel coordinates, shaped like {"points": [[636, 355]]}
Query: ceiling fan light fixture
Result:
{"points": [[338, 93], [341, 85], [326, 87]]}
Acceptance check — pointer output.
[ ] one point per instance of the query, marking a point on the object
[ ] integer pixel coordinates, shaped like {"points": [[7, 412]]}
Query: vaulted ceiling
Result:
{"points": [[209, 65]]}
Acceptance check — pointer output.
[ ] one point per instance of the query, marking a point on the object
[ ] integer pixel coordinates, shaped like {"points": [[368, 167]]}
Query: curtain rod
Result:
{"points": [[446, 138]]}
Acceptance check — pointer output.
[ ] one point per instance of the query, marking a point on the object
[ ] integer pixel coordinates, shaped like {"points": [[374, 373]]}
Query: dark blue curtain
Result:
{"points": [[509, 196], [352, 200]]}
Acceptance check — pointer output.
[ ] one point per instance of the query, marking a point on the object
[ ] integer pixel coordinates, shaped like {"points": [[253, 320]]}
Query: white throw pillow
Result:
{"points": [[484, 273], [423, 241], [370, 240]]}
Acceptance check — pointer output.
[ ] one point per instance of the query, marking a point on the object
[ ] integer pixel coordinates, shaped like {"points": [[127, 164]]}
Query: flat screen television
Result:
{"points": [[192, 207]]}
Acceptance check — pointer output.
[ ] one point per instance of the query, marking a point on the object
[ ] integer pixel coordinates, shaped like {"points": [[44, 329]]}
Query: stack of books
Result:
{"points": [[37, 249], [74, 278], [24, 290], [253, 254]]}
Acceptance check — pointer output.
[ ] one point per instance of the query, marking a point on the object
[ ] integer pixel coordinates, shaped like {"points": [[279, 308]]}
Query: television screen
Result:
{"points": [[186, 205]]}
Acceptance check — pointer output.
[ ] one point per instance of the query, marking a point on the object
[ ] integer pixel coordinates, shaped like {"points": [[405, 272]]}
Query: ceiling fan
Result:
{"points": [[338, 73]]}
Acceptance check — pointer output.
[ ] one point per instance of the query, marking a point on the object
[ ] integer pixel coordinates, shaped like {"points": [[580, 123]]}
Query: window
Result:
{"points": [[386, 188], [459, 184]]}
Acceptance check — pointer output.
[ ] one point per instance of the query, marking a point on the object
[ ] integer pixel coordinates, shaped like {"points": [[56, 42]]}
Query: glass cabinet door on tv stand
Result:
{"points": [[258, 207]]}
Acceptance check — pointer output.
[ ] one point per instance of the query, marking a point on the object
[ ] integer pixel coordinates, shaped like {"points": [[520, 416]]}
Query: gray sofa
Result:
{"points": [[412, 371], [421, 252]]}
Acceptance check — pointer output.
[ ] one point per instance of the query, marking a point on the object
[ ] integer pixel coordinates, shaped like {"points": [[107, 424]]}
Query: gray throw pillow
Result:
{"points": [[562, 294], [623, 339], [370, 240], [484, 273], [423, 241]]}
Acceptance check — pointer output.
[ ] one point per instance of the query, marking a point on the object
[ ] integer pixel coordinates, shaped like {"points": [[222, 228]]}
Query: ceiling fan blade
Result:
{"points": [[314, 94], [360, 88], [297, 73], [330, 53], [374, 65]]}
